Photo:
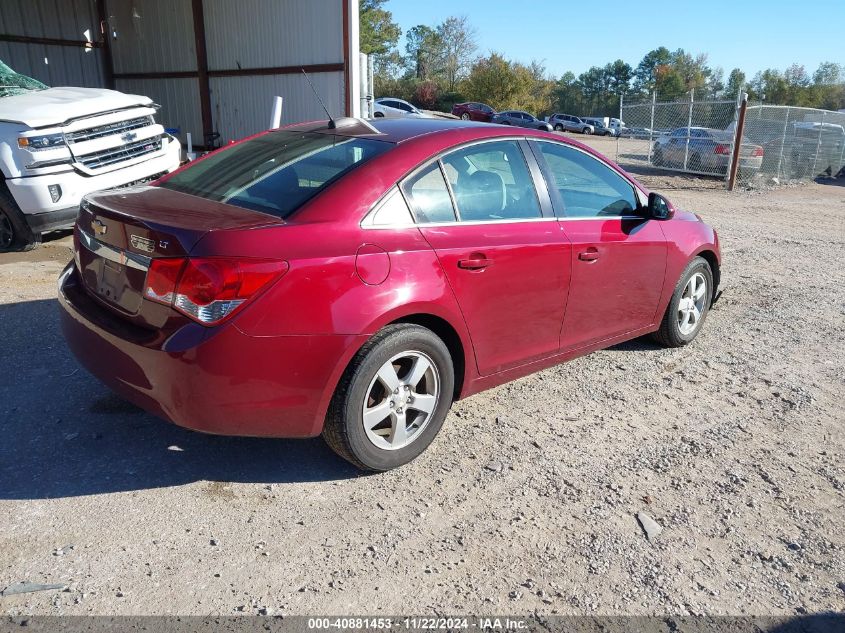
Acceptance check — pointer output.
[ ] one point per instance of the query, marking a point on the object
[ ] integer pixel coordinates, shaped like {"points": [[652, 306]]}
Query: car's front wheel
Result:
{"points": [[392, 399], [15, 234], [465, 116], [689, 305], [558, 128], [586, 130]]}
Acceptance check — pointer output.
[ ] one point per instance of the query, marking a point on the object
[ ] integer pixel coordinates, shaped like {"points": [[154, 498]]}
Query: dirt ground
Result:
{"points": [[525, 503]]}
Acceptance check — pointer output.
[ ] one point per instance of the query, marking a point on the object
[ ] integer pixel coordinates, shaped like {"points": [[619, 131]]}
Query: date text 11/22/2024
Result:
{"points": [[419, 623]]}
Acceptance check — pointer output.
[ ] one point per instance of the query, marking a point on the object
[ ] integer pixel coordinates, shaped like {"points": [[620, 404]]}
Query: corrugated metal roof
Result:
{"points": [[267, 34], [152, 36], [56, 19], [242, 105], [64, 66], [179, 100]]}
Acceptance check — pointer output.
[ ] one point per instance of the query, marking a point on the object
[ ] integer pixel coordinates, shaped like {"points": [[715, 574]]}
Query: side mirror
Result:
{"points": [[659, 207]]}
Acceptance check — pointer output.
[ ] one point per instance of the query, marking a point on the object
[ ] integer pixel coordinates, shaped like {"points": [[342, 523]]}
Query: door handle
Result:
{"points": [[474, 263], [590, 255]]}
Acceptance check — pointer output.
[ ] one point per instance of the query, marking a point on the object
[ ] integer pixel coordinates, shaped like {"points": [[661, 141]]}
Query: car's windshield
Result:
{"points": [[275, 173]]}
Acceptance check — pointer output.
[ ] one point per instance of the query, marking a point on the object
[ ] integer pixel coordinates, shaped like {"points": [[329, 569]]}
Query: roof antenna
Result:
{"points": [[316, 94]]}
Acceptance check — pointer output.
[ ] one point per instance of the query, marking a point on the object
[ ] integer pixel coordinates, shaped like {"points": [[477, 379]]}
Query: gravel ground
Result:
{"points": [[527, 502]]}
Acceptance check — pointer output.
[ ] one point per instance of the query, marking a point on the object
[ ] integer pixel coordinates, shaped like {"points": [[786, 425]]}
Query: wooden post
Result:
{"points": [[740, 128]]}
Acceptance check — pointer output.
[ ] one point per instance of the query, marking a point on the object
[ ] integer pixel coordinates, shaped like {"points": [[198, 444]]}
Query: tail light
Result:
{"points": [[721, 148], [210, 289], [758, 151]]}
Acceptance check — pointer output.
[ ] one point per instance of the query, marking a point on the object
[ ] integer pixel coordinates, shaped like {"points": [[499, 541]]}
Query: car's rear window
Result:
{"points": [[275, 173]]}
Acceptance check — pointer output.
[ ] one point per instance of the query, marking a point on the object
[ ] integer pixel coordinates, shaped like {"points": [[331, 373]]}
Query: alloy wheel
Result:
{"points": [[401, 400], [691, 305]]}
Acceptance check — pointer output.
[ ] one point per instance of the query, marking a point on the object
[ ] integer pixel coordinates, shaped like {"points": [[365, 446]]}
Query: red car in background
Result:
{"points": [[473, 111], [354, 279]]}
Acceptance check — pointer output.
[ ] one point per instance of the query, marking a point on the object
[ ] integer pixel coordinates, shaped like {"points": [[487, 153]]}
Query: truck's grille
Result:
{"points": [[107, 157], [108, 130]]}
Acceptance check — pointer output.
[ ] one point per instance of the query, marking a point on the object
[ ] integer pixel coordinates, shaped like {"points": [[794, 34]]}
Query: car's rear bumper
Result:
{"points": [[215, 380]]}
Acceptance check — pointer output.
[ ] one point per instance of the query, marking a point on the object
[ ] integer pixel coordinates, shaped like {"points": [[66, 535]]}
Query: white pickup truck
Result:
{"points": [[58, 144]]}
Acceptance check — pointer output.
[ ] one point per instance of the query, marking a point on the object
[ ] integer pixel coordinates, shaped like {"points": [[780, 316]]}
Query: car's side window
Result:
{"points": [[392, 210], [587, 187], [429, 196], [491, 181]]}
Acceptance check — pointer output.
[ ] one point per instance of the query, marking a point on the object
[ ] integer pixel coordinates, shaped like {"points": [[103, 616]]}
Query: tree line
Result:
{"points": [[441, 65]]}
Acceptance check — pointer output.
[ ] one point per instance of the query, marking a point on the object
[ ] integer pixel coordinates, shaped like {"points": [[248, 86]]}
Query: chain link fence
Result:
{"points": [[779, 143]]}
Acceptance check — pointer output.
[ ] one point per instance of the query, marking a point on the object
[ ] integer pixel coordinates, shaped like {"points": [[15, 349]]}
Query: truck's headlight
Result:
{"points": [[41, 142]]}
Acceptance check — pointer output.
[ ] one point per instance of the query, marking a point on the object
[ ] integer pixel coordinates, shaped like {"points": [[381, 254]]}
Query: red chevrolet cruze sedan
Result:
{"points": [[354, 279]]}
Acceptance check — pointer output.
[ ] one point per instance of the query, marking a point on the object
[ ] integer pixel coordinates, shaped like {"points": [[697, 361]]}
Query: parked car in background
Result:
{"points": [[704, 150], [813, 149], [473, 111], [638, 132], [62, 143], [316, 279], [600, 128], [391, 108], [617, 125], [522, 119], [570, 123]]}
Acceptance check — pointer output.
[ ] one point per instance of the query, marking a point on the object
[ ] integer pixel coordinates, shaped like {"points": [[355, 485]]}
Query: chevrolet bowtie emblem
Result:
{"points": [[99, 227]]}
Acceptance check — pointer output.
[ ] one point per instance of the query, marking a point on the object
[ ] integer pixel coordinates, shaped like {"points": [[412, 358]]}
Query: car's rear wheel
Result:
{"points": [[15, 234], [657, 156], [392, 399], [689, 305], [695, 163], [465, 116], [379, 115]]}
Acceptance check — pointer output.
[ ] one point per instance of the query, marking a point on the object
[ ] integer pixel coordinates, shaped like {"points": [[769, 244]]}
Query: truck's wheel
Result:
{"points": [[15, 234]]}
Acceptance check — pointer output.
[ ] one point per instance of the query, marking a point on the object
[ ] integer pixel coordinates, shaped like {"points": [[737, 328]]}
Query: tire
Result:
{"points": [[657, 157], [15, 234], [671, 333], [586, 131], [694, 163], [558, 128], [394, 346], [465, 116], [378, 115]]}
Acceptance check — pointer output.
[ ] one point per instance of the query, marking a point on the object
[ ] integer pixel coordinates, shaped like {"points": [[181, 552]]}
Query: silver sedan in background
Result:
{"points": [[522, 119]]}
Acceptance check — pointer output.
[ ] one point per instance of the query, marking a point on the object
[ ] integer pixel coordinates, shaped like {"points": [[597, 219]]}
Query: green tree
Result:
{"points": [[459, 45], [425, 52], [379, 34], [736, 82], [669, 84], [645, 75]]}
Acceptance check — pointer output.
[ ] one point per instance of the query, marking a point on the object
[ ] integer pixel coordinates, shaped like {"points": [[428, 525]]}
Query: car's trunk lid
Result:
{"points": [[121, 232]]}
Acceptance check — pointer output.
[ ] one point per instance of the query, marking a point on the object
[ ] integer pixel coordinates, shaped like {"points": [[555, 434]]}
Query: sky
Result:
{"points": [[749, 34]]}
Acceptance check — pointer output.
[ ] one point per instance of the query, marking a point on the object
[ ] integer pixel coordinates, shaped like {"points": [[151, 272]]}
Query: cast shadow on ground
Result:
{"points": [[65, 434]]}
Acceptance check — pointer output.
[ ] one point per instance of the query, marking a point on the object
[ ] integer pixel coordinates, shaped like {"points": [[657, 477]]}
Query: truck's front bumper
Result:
{"points": [[33, 196]]}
